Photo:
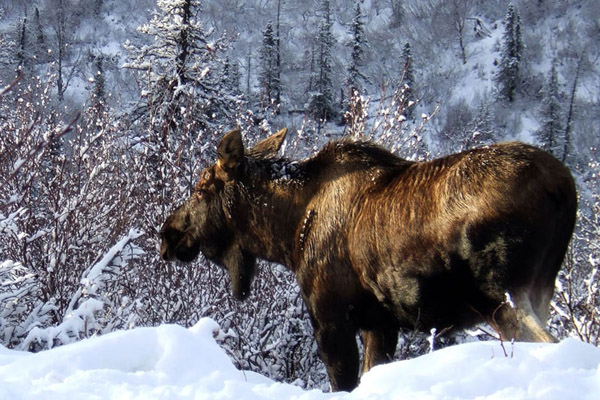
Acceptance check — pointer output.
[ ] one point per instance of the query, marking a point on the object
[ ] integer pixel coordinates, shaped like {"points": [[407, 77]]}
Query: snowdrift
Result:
{"points": [[171, 362]]}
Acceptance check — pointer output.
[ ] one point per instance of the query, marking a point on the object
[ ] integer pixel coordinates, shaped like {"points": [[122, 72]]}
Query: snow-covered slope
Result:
{"points": [[171, 362]]}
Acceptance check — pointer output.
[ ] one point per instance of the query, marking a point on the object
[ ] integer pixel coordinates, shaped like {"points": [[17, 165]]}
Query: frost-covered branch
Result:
{"points": [[90, 311], [37, 151]]}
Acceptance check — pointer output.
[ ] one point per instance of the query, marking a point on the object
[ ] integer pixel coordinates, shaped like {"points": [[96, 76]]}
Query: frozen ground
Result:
{"points": [[171, 362]]}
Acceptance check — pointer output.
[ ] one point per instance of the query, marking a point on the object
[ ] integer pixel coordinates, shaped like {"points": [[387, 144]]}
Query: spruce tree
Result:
{"points": [[185, 79], [22, 55], [98, 7], [358, 43], [269, 74], [39, 34], [398, 13], [406, 83], [509, 69], [231, 75], [551, 127], [321, 98], [99, 90]]}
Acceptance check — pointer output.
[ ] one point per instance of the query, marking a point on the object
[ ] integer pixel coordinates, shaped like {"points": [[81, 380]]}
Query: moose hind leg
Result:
{"points": [[379, 346], [520, 323]]}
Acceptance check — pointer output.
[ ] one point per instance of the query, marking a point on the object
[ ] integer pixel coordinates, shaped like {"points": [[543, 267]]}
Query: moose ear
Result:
{"points": [[230, 150], [270, 146]]}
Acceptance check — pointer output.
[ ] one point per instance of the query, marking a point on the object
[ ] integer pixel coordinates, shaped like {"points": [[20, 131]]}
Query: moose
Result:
{"points": [[378, 243]]}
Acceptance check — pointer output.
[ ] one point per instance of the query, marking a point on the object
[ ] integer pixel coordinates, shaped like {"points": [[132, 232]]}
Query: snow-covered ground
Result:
{"points": [[171, 362]]}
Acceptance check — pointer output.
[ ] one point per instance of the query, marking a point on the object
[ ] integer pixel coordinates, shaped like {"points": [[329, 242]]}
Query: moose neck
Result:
{"points": [[273, 208]]}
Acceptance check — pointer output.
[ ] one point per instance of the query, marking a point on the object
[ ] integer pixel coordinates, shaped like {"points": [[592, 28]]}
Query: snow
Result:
{"points": [[172, 362], [100, 266]]}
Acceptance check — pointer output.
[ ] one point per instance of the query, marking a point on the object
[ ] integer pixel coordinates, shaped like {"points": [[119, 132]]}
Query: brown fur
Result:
{"points": [[378, 243]]}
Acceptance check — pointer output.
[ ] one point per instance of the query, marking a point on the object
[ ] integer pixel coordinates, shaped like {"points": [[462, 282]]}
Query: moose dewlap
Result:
{"points": [[378, 243]]}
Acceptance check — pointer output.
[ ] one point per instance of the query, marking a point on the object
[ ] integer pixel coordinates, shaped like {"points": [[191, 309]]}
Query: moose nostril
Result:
{"points": [[165, 255]]}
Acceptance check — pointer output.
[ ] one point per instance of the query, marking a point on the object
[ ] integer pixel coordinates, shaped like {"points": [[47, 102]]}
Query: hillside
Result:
{"points": [[455, 48]]}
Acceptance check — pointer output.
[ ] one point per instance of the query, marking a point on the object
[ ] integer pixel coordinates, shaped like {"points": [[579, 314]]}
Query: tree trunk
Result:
{"points": [[567, 143], [278, 55]]}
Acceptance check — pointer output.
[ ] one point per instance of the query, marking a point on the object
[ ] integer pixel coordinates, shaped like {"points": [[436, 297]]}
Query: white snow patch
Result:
{"points": [[177, 363]]}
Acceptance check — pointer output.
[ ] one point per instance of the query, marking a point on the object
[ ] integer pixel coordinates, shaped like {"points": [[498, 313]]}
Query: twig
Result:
{"points": [[41, 146], [11, 85]]}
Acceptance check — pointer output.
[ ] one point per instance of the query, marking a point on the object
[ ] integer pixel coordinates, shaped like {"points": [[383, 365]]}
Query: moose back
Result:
{"points": [[378, 243]]}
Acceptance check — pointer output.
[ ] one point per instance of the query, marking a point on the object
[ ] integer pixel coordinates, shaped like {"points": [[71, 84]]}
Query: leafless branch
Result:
{"points": [[11, 85], [41, 146]]}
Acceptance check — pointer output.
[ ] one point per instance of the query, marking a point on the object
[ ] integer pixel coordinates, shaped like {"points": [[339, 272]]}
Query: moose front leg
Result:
{"points": [[379, 346], [339, 352]]}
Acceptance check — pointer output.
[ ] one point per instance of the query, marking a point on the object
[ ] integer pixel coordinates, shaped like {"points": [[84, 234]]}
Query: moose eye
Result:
{"points": [[207, 175]]}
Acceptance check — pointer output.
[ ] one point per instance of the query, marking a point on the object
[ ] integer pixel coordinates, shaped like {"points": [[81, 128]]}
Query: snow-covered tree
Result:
{"points": [[97, 7], [7, 56], [22, 45], [458, 14], [269, 69], [231, 75], [406, 82], [184, 71], [457, 130], [551, 131], [482, 124], [62, 39], [99, 84], [60, 208], [398, 13], [40, 40], [356, 77], [321, 97], [508, 75]]}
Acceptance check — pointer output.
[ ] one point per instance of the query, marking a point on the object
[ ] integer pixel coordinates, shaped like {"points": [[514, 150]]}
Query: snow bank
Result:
{"points": [[568, 370], [171, 362]]}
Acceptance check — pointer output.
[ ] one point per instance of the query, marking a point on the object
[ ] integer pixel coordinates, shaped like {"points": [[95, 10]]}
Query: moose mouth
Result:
{"points": [[181, 252]]}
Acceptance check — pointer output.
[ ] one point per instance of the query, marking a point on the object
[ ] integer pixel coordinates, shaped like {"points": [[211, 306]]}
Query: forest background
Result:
{"points": [[109, 110]]}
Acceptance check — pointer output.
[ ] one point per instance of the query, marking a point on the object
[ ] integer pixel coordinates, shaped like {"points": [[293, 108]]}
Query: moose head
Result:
{"points": [[203, 223]]}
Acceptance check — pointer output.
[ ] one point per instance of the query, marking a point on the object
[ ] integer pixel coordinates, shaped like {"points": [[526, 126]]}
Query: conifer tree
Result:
{"points": [[551, 126], [33, 42], [185, 74], [22, 56], [269, 68], [358, 43], [231, 75], [509, 69], [321, 98], [407, 80], [39, 34], [98, 7], [99, 90], [398, 13]]}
